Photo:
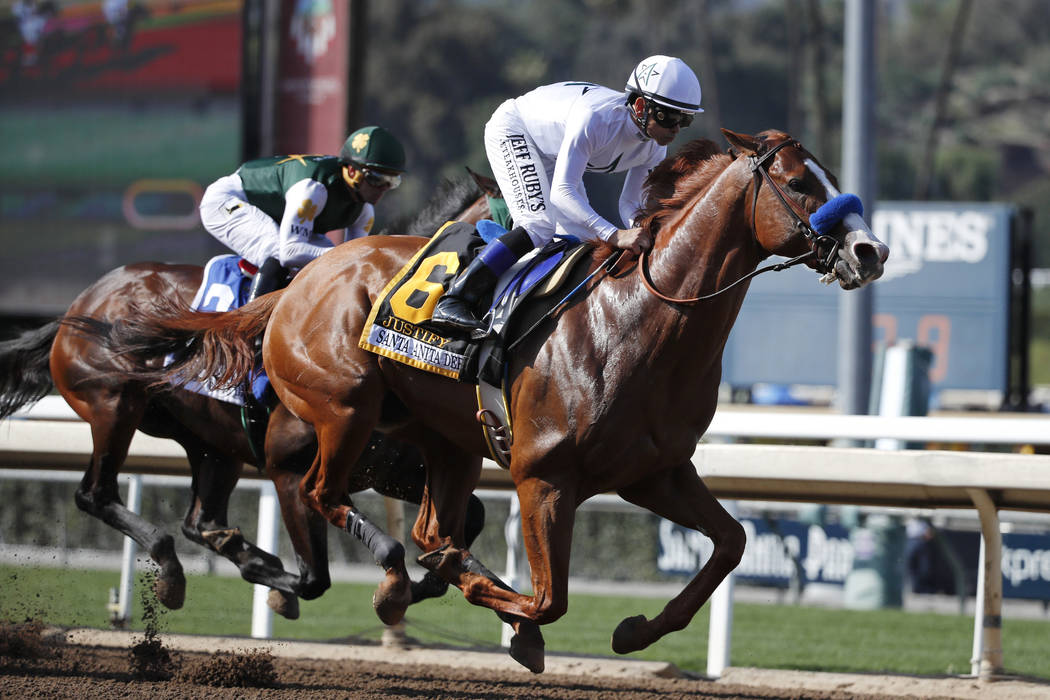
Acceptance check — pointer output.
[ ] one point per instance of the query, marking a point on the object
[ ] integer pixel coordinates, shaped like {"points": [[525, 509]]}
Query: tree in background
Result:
{"points": [[973, 109]]}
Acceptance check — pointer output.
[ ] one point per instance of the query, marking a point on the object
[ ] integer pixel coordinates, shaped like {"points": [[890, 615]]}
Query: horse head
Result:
{"points": [[792, 194]]}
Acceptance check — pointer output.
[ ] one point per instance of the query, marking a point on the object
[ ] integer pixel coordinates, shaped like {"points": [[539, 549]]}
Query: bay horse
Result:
{"points": [[612, 394], [54, 356]]}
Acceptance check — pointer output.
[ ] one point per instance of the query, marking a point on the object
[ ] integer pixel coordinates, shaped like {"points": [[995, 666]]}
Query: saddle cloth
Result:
{"points": [[223, 288], [397, 325]]}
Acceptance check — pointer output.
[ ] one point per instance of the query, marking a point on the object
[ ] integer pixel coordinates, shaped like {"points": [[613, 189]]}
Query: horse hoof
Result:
{"points": [[392, 598], [629, 635], [526, 647], [284, 604], [170, 590]]}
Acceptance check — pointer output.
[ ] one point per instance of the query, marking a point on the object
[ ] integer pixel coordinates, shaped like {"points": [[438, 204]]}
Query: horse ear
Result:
{"points": [[741, 142], [487, 184]]}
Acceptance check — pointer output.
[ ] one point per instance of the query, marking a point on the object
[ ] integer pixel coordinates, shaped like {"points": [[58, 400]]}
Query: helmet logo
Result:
{"points": [[645, 72], [307, 211], [360, 142]]}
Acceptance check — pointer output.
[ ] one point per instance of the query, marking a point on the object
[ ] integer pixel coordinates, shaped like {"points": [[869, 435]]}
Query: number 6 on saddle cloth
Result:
{"points": [[397, 325]]}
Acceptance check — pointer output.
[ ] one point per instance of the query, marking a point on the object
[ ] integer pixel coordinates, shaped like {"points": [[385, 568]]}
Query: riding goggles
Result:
{"points": [[378, 179], [670, 118]]}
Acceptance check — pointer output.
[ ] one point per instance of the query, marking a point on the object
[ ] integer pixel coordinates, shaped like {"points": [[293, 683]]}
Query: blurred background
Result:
{"points": [[117, 113]]}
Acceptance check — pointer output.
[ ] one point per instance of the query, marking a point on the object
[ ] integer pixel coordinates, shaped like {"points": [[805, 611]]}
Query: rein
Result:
{"points": [[825, 263], [643, 270]]}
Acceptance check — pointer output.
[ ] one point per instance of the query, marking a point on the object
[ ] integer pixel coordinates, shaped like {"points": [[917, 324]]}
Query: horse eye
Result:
{"points": [[796, 184]]}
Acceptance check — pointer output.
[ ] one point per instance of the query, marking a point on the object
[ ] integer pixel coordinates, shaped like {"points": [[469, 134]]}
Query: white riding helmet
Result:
{"points": [[666, 81]]}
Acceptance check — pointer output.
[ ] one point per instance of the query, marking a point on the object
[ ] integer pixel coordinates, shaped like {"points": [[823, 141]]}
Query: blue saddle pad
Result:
{"points": [[522, 278], [223, 288]]}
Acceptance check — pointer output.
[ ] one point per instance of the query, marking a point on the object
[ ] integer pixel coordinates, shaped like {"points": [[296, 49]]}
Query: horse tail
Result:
{"points": [[25, 370], [171, 344]]}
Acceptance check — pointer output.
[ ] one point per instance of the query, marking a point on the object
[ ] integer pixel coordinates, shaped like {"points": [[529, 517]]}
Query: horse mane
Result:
{"points": [[451, 197], [678, 178]]}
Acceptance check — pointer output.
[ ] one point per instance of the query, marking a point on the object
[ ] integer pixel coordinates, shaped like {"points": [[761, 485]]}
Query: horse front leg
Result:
{"points": [[99, 497], [680, 496]]}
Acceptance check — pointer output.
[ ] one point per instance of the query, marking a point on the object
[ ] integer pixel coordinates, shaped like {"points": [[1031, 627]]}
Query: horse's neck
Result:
{"points": [[707, 249]]}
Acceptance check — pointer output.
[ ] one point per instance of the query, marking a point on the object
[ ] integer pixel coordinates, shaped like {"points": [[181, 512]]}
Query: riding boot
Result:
{"points": [[269, 278], [455, 310], [255, 414]]}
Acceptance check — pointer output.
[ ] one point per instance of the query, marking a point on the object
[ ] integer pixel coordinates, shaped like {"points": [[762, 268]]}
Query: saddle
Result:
{"points": [[397, 325]]}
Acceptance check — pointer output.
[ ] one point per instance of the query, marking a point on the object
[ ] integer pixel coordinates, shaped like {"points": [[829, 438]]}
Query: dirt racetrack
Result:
{"points": [[37, 662]]}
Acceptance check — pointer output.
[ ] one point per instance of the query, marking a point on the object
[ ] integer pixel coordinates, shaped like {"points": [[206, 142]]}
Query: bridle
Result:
{"points": [[822, 247], [825, 261]]}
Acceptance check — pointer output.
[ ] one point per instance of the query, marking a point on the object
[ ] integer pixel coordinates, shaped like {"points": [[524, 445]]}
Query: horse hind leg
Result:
{"points": [[206, 523], [432, 585], [99, 497], [341, 438], [290, 448], [681, 497], [395, 469]]}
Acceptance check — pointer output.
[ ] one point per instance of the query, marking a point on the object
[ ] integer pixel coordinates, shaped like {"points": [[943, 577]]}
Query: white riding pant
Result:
{"points": [[524, 177], [243, 228]]}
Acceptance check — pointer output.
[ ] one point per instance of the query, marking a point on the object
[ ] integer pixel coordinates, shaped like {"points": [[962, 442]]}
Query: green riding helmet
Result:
{"points": [[374, 147]]}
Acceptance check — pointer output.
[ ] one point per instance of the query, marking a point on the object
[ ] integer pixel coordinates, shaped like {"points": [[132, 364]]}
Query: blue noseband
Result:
{"points": [[833, 211]]}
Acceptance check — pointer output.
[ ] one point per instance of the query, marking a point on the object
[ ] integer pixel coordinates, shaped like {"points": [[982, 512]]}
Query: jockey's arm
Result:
{"points": [[359, 228], [567, 195], [631, 194], [299, 244], [632, 239], [362, 225]]}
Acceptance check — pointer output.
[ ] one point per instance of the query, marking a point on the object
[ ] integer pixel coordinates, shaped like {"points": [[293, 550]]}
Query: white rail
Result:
{"points": [[733, 420]]}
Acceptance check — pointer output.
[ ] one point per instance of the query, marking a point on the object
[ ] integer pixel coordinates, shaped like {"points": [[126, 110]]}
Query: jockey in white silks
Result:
{"points": [[539, 146]]}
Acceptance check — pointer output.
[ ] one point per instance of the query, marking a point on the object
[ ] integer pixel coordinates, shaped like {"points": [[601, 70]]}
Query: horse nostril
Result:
{"points": [[869, 253]]}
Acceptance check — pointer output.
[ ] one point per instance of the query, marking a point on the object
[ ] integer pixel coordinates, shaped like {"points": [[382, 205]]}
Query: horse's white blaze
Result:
{"points": [[823, 177]]}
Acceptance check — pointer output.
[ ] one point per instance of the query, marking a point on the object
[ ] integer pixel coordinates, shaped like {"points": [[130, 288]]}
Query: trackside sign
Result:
{"points": [[824, 554], [1026, 566], [946, 287]]}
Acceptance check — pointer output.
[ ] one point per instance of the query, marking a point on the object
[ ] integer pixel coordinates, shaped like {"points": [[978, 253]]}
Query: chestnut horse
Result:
{"points": [[610, 395], [209, 430]]}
